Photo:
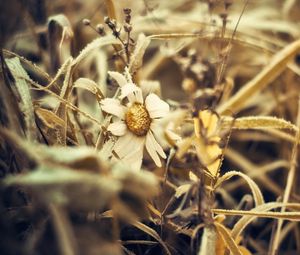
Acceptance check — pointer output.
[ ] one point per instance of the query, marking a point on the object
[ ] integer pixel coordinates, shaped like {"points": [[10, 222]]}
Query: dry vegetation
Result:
{"points": [[211, 90]]}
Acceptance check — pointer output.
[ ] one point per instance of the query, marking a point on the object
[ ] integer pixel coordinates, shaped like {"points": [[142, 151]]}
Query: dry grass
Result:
{"points": [[229, 71]]}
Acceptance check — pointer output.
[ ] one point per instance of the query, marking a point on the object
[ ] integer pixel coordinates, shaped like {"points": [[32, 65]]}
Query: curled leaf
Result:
{"points": [[258, 197], [89, 85]]}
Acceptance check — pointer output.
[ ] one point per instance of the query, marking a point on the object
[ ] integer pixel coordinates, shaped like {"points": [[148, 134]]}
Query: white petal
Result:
{"points": [[127, 144], [152, 152], [129, 149], [155, 125], [128, 91], [120, 78], [132, 92], [122, 144], [114, 107], [156, 107], [127, 75], [118, 128], [137, 164], [151, 146], [156, 128], [157, 146], [134, 159], [139, 96], [106, 151]]}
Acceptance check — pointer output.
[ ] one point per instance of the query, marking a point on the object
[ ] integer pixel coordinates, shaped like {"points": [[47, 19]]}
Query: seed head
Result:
{"points": [[100, 29], [138, 119], [86, 22]]}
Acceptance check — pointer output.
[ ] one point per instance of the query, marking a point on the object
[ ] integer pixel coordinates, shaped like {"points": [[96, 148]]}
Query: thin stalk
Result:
{"points": [[289, 184]]}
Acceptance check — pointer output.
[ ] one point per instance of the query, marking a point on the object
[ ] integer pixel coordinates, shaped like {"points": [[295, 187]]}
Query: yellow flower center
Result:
{"points": [[138, 119]]}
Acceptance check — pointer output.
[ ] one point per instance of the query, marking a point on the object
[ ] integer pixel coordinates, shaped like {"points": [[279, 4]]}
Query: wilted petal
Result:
{"points": [[156, 107], [129, 149], [157, 146], [120, 78], [158, 132], [127, 143], [153, 148], [118, 128], [113, 106], [134, 158], [122, 144], [156, 128]]}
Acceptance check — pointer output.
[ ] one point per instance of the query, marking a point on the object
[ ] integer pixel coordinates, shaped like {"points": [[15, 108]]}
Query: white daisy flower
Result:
{"points": [[136, 122]]}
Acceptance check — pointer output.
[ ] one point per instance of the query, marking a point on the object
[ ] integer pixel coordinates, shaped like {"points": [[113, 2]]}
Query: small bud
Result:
{"points": [[116, 33], [128, 19], [86, 22], [127, 28], [100, 29], [127, 11], [223, 15], [106, 20]]}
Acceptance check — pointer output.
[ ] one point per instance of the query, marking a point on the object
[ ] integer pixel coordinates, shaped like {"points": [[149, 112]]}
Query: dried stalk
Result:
{"points": [[289, 184]]}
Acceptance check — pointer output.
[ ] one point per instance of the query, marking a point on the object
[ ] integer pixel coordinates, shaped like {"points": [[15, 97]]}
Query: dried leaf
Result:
{"points": [[97, 43], [257, 212], [10, 113], [60, 35], [61, 110], [23, 89], [182, 189], [49, 123], [293, 216], [70, 105], [89, 85], [257, 195], [244, 250], [207, 145], [100, 60], [152, 233], [136, 60], [229, 241], [220, 245], [260, 122], [64, 67], [208, 241]]}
